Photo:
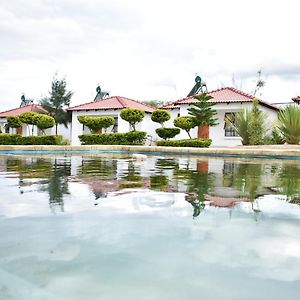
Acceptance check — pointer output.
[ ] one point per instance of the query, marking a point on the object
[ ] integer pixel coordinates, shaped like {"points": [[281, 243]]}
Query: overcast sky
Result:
{"points": [[147, 49]]}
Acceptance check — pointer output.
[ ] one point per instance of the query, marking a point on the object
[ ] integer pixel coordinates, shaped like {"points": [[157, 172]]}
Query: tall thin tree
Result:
{"points": [[57, 102]]}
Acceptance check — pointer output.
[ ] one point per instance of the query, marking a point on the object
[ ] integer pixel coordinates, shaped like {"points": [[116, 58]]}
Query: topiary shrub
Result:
{"points": [[129, 138], [132, 116], [167, 133], [29, 117], [160, 116], [185, 123], [44, 122], [14, 122], [95, 124], [198, 143]]}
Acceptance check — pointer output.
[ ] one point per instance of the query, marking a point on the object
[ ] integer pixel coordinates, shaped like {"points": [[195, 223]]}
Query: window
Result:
{"points": [[229, 131]]}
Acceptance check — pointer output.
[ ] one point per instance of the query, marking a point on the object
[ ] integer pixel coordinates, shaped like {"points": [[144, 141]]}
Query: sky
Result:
{"points": [[147, 50]]}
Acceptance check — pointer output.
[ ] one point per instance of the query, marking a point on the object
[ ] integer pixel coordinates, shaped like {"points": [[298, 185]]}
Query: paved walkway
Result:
{"points": [[272, 151]]}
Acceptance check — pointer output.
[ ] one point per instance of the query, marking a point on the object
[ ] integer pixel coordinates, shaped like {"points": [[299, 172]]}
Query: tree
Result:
{"points": [[260, 83], [95, 124], [186, 123], [58, 100], [289, 123], [202, 111], [256, 127], [160, 116], [154, 103], [132, 116], [29, 118], [14, 122], [44, 122]]}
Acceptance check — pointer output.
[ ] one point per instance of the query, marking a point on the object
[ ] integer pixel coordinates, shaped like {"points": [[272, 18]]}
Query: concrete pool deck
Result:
{"points": [[271, 151]]}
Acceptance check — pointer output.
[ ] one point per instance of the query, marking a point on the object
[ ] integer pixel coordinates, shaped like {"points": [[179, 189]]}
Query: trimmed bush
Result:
{"points": [[95, 124], [167, 133], [14, 122], [9, 139], [16, 139], [198, 143], [129, 138], [185, 123], [160, 116], [44, 122], [29, 117], [132, 116]]}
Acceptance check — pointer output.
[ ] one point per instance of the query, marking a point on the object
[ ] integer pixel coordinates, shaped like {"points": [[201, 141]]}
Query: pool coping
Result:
{"points": [[274, 151]]}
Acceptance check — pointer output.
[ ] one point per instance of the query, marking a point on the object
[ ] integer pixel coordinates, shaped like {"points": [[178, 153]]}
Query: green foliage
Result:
{"points": [[129, 138], [9, 139], [14, 122], [256, 126], [132, 116], [202, 111], [289, 123], [95, 124], [167, 133], [153, 103], [160, 116], [199, 143], [44, 122], [57, 101], [275, 138], [185, 123], [16, 139], [29, 117]]}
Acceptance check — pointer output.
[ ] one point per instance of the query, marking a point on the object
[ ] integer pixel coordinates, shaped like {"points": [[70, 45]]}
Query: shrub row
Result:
{"points": [[129, 138], [16, 139], [200, 143]]}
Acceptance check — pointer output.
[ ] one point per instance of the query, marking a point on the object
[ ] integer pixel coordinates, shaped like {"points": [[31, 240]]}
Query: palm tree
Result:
{"points": [[57, 102], [289, 123]]}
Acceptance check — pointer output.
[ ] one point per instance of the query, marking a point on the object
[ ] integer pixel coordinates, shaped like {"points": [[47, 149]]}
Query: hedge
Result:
{"points": [[16, 139], [129, 138], [199, 143]]}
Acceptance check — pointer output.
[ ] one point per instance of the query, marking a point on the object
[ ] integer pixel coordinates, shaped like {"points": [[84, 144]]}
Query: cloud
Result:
{"points": [[146, 50]]}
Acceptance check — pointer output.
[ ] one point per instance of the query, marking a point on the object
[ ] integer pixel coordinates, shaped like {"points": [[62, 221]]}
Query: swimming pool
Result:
{"points": [[114, 226]]}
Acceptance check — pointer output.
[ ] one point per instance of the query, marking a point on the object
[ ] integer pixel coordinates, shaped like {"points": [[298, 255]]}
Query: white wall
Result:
{"points": [[217, 133]]}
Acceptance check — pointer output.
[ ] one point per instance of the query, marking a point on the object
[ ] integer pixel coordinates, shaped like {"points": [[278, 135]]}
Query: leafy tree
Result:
{"points": [[154, 103], [186, 123], [202, 111], [14, 122], [43, 122], [256, 127], [167, 133], [160, 116], [260, 83], [95, 124], [29, 118], [289, 123], [132, 116], [58, 100]]}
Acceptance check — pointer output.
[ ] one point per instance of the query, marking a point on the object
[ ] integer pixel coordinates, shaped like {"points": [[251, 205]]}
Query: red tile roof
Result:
{"points": [[18, 111], [223, 95], [115, 102]]}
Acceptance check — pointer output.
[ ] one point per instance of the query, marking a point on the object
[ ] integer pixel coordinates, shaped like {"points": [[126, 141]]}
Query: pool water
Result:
{"points": [[115, 226]]}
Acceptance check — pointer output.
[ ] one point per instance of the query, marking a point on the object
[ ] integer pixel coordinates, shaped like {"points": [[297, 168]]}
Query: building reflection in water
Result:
{"points": [[214, 182]]}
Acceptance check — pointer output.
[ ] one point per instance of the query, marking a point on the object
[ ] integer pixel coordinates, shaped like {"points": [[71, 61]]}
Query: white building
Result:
{"points": [[27, 130], [228, 101], [111, 106]]}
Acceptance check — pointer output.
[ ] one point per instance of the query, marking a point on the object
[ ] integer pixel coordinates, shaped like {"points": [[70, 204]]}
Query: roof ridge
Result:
{"points": [[137, 101], [89, 102], [119, 98], [8, 110]]}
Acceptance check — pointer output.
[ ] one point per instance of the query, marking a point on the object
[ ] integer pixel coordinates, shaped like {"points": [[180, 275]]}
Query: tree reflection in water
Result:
{"points": [[217, 182]]}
